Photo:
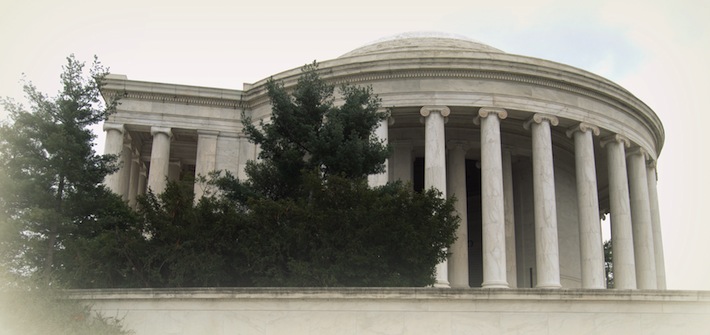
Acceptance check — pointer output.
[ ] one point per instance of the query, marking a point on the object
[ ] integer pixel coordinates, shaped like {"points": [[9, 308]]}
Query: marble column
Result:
{"points": [[620, 212], [641, 224], [458, 260], [402, 161], [126, 160], [656, 219], [435, 165], [174, 170], [508, 195], [382, 133], [135, 175], [492, 198], [590, 232], [159, 159], [205, 161], [114, 146], [547, 257], [142, 179]]}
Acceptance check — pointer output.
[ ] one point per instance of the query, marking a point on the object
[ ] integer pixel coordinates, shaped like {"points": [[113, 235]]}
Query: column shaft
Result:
{"points": [[620, 212], [590, 233], [510, 254], [402, 162], [159, 159], [126, 160], [205, 161], [458, 260], [114, 146], [382, 133], [135, 175], [492, 199], [642, 226], [546, 240], [657, 235], [435, 165]]}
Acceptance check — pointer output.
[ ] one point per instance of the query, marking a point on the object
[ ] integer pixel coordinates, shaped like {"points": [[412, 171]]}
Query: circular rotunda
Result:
{"points": [[535, 152]]}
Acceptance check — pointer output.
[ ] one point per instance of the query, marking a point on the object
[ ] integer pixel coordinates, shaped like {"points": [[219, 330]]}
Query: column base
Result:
{"points": [[442, 284], [549, 285], [495, 284]]}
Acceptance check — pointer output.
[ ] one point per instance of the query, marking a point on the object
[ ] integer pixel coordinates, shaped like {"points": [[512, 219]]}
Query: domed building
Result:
{"points": [[534, 151]]}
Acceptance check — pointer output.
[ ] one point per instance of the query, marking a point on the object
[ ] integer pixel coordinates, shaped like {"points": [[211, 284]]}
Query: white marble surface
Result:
{"points": [[206, 160], [590, 235], [642, 226], [656, 220], [620, 212], [492, 200], [546, 239], [435, 165], [509, 206], [403, 311], [382, 134], [159, 159], [114, 146], [458, 258]]}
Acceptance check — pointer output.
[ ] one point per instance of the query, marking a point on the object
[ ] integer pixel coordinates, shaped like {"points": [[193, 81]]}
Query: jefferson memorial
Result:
{"points": [[535, 152]]}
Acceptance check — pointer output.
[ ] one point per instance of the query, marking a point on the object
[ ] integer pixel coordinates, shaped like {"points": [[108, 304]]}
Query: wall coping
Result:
{"points": [[399, 294]]}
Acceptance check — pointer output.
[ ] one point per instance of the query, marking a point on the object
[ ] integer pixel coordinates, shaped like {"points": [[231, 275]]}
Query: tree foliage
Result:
{"points": [[50, 175], [608, 264]]}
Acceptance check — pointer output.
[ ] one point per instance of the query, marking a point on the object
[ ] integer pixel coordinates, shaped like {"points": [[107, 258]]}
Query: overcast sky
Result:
{"points": [[658, 50]]}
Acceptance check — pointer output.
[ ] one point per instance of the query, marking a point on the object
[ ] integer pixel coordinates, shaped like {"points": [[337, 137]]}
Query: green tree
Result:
{"points": [[50, 176], [310, 217]]}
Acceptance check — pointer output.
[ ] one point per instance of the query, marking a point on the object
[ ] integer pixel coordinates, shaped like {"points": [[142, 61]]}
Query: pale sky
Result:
{"points": [[658, 50]]}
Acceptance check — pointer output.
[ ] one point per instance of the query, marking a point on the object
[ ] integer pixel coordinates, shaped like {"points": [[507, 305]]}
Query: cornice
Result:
{"points": [[175, 98]]}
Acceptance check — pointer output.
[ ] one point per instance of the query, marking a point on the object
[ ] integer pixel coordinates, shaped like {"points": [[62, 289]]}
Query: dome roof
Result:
{"points": [[421, 41]]}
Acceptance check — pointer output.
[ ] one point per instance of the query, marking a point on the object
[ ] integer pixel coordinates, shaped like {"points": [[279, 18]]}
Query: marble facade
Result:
{"points": [[534, 151]]}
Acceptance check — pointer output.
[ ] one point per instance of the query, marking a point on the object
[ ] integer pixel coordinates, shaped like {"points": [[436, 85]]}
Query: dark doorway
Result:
{"points": [[475, 241]]}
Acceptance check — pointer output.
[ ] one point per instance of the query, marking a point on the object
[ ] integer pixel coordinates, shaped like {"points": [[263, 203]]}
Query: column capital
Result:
{"points": [[638, 151], [651, 163], [164, 130], [582, 127], [540, 118], [464, 145], [485, 111], [208, 133], [616, 138], [443, 110], [114, 126]]}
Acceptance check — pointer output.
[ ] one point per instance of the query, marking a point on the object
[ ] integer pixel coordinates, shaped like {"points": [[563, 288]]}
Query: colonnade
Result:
{"points": [[134, 177], [632, 192], [636, 235]]}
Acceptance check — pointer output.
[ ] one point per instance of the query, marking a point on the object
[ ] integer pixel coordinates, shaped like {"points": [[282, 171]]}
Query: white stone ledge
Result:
{"points": [[392, 294]]}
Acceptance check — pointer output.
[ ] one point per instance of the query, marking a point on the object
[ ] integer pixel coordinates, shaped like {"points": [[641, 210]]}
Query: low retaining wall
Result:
{"points": [[402, 311]]}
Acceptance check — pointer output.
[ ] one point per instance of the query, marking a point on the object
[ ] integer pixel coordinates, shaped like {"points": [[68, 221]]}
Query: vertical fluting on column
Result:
{"points": [[135, 175], [159, 159], [492, 198], [508, 195], [205, 161], [656, 219], [382, 133], [114, 146], [620, 212], [126, 160], [402, 161], [590, 233], [546, 241], [458, 260], [142, 179], [435, 165], [641, 224]]}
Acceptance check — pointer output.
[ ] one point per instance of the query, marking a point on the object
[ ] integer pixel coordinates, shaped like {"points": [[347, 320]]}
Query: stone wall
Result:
{"points": [[403, 311]]}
